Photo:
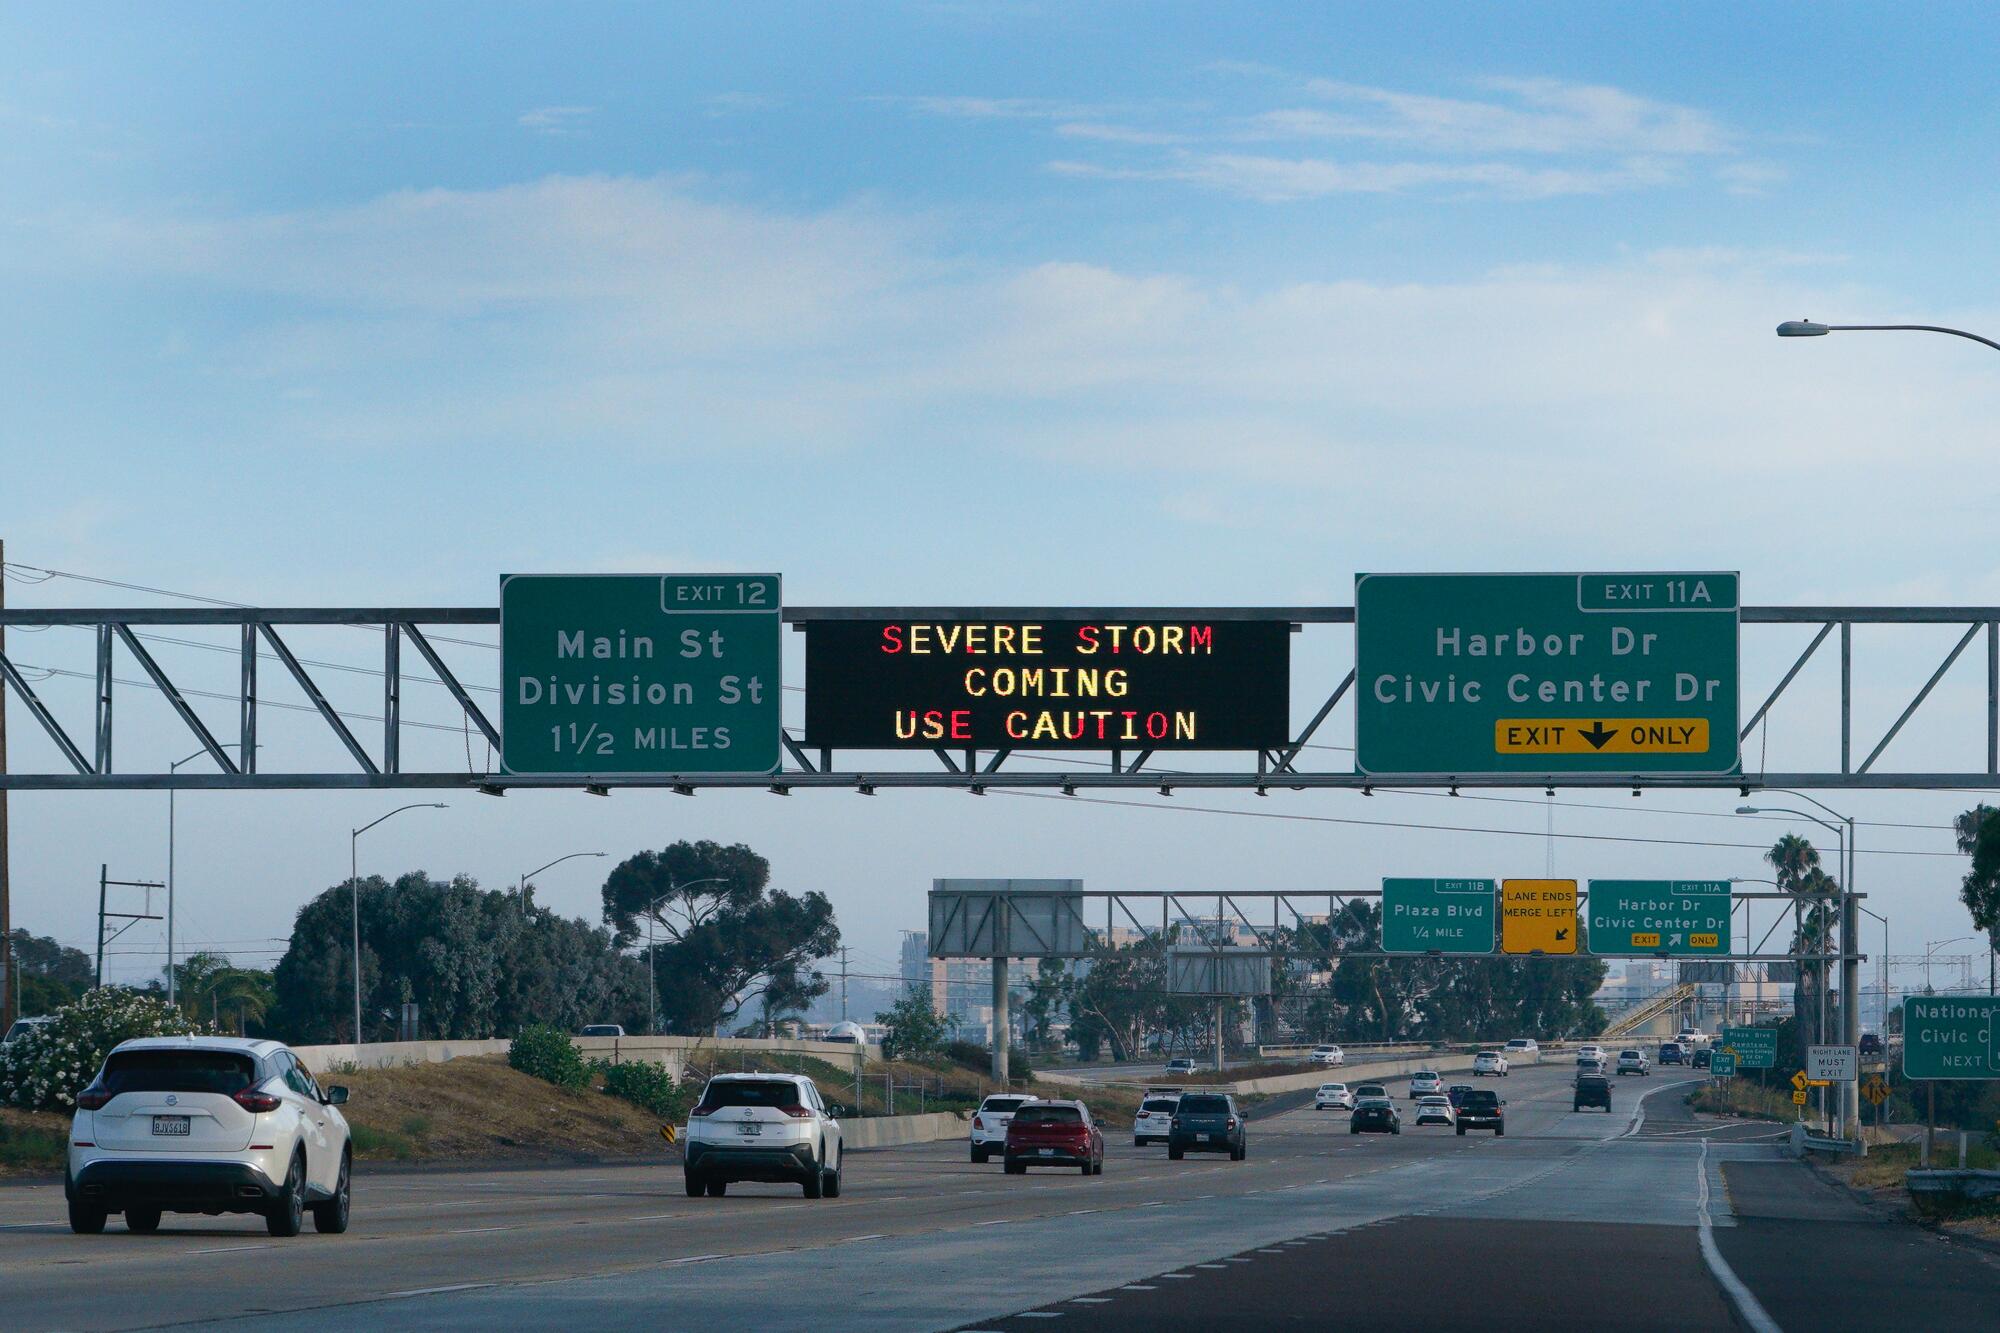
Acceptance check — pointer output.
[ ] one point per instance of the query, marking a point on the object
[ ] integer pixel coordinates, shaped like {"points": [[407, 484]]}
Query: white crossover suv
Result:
{"points": [[207, 1125], [1154, 1121], [763, 1127], [990, 1121], [1490, 1062]]}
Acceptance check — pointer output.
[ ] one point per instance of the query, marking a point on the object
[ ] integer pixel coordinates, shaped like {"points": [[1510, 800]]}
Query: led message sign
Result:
{"points": [[1048, 684]]}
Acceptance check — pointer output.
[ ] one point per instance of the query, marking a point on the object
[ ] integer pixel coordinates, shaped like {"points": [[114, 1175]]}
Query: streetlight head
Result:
{"points": [[1802, 328], [1749, 810]]}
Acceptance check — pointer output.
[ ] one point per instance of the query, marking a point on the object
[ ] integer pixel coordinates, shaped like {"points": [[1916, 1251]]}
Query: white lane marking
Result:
{"points": [[438, 1291], [1211, 1265], [1090, 1300], [1639, 1107], [1178, 1277], [655, 1217], [30, 1226], [1138, 1286], [849, 1240], [233, 1249], [476, 1231], [996, 1222], [1081, 1211], [1746, 1303], [1039, 1314], [692, 1259]]}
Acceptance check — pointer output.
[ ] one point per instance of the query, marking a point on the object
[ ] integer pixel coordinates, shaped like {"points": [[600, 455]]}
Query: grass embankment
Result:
{"points": [[1244, 1073], [478, 1108], [32, 1142], [1881, 1174], [1743, 1097]]}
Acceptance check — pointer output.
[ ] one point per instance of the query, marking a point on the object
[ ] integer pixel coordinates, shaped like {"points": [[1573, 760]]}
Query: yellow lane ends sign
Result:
{"points": [[1538, 916], [1591, 735]]}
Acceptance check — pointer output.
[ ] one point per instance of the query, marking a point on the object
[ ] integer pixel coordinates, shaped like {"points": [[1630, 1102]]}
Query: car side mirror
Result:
{"points": [[336, 1096], [836, 1110]]}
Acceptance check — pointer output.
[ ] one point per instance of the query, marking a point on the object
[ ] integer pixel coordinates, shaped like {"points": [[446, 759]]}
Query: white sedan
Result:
{"points": [[1490, 1062], [1435, 1111], [1328, 1055], [1333, 1097], [1426, 1083]]}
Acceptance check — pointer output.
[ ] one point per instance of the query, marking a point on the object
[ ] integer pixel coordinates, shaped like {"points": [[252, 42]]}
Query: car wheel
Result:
{"points": [[1173, 1153], [978, 1155], [1395, 1129], [693, 1185], [142, 1221], [1461, 1131], [814, 1184], [1015, 1169], [716, 1188], [831, 1186], [330, 1217], [85, 1220], [1500, 1132], [286, 1216]]}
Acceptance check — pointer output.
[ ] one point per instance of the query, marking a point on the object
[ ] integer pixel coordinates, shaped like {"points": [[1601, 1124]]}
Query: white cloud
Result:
{"points": [[1543, 116], [555, 121], [1281, 180]]}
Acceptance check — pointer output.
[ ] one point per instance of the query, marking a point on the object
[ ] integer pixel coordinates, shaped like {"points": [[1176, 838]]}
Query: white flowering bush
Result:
{"points": [[44, 1068]]}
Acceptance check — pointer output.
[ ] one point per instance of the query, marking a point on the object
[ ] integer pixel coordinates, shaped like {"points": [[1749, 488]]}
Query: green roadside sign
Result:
{"points": [[1951, 1036], [639, 674], [1750, 1048], [1437, 915], [1464, 674], [1722, 1064], [1648, 917]]}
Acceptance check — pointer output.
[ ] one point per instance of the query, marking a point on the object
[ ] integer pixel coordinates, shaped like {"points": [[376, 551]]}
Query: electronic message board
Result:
{"points": [[1072, 684]]}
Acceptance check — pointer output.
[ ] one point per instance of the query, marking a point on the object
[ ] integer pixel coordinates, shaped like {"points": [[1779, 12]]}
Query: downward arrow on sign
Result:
{"points": [[1563, 933], [1598, 735]]}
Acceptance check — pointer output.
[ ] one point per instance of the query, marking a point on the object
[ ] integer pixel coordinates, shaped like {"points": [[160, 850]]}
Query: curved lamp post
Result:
{"points": [[1806, 328], [354, 901]]}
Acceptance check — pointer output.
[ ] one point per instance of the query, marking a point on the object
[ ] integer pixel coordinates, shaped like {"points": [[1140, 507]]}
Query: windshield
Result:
{"points": [[1048, 1115], [178, 1071], [749, 1092]]}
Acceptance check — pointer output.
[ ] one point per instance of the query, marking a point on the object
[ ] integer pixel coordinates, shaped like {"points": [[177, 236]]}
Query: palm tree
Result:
{"points": [[1965, 828], [206, 984], [1797, 865]]}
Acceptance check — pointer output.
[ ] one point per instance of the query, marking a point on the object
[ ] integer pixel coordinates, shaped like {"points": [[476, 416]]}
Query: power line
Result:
{"points": [[231, 698]]}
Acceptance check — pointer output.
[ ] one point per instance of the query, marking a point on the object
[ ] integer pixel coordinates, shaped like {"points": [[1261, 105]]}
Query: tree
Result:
{"points": [[915, 1028], [726, 935], [1797, 865], [51, 974], [1978, 833], [209, 987], [476, 963]]}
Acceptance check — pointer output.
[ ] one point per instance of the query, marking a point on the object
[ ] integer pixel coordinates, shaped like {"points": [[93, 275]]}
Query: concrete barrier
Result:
{"points": [[1372, 1071], [890, 1131], [676, 1053]]}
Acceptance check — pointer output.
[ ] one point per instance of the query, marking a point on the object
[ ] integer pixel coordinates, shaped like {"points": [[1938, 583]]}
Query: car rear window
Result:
{"points": [[1159, 1104], [1425, 1073], [1204, 1104], [1048, 1115], [1002, 1104], [749, 1092], [1481, 1099], [1373, 1104], [1372, 1090], [178, 1071]]}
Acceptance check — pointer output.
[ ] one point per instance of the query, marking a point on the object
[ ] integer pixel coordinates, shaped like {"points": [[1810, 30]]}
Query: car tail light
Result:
{"points": [[699, 1111], [1230, 1123], [81, 1144], [92, 1098], [250, 1099], [977, 1123], [796, 1112]]}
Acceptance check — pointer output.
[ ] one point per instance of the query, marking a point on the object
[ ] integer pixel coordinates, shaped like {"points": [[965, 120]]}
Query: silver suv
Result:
{"points": [[763, 1127]]}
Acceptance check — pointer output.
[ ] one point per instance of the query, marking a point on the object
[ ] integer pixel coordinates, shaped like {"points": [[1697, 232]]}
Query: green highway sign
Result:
{"points": [[1951, 1036], [1685, 917], [1464, 674], [651, 674], [1722, 1064], [1437, 915], [1752, 1048]]}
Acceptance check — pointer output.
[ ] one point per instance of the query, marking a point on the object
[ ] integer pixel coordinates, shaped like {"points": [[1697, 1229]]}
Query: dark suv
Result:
{"points": [[1481, 1109], [1591, 1090], [1208, 1122]]}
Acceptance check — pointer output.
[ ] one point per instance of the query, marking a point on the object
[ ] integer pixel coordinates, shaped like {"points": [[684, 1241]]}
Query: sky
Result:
{"points": [[962, 303]]}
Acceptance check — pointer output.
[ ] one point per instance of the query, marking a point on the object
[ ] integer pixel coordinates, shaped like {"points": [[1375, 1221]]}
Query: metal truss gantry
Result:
{"points": [[261, 640]]}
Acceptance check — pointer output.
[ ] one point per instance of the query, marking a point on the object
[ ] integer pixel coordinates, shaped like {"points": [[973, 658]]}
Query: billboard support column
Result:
{"points": [[1850, 1010], [1000, 1039], [1218, 1033]]}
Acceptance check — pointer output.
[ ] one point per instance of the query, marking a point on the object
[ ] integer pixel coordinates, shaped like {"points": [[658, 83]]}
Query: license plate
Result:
{"points": [[170, 1126], [750, 1129], [1048, 1152], [1208, 1138]]}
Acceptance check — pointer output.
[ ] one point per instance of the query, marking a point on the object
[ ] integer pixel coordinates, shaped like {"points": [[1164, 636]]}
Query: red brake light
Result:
{"points": [[250, 1099], [92, 1098], [977, 1123], [796, 1112], [1231, 1124]]}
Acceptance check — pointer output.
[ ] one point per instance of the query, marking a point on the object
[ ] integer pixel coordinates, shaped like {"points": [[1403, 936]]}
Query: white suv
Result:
{"points": [[207, 1125], [1426, 1083], [990, 1121], [764, 1127], [1155, 1118], [1489, 1062]]}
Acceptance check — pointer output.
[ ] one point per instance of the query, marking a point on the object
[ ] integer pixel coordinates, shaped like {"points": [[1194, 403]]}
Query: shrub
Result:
{"points": [[548, 1054], [46, 1067], [647, 1085], [979, 1059]]}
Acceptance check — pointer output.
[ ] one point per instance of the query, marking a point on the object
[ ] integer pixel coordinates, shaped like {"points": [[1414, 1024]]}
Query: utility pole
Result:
{"points": [[843, 983], [7, 964]]}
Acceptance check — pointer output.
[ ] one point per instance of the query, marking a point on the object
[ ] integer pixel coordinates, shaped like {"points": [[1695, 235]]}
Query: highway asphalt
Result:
{"points": [[1572, 1220]]}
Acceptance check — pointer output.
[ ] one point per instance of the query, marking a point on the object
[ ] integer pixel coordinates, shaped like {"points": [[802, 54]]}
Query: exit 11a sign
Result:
{"points": [[1466, 674], [1437, 915], [639, 674], [1682, 917]]}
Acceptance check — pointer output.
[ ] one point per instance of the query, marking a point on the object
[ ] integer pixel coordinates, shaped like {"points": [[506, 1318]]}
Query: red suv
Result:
{"points": [[1054, 1134]]}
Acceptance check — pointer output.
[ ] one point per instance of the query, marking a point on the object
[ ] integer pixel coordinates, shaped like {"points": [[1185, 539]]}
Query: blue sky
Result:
{"points": [[979, 303]]}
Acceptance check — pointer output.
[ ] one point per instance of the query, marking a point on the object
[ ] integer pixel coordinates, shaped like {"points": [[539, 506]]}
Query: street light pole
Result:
{"points": [[522, 889], [172, 984], [652, 1001], [1806, 328], [354, 902]]}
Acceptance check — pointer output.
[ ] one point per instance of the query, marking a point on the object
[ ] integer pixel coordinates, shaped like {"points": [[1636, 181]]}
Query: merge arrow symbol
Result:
{"points": [[1598, 735], [1562, 933]]}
